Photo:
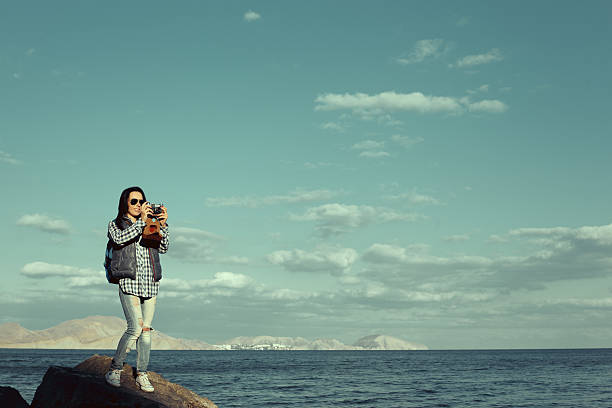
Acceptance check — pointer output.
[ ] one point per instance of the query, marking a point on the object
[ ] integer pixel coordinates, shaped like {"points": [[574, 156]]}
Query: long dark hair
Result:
{"points": [[123, 201]]}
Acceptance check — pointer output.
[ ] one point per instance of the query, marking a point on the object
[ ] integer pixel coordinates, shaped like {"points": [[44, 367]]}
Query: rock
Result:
{"points": [[10, 398], [84, 386]]}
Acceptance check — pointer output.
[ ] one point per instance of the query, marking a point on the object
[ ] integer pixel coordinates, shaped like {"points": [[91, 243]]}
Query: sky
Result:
{"points": [[433, 171]]}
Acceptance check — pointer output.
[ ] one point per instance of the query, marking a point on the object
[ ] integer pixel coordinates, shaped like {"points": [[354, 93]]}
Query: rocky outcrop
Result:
{"points": [[84, 386], [10, 398]]}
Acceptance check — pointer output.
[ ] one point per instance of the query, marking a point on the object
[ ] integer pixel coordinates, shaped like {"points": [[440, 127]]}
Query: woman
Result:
{"points": [[137, 270]]}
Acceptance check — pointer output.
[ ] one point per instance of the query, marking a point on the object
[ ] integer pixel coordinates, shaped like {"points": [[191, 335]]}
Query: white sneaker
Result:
{"points": [[113, 377], [143, 382]]}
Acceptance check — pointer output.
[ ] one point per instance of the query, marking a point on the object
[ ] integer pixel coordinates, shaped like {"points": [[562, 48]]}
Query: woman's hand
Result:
{"points": [[163, 216], [145, 210]]}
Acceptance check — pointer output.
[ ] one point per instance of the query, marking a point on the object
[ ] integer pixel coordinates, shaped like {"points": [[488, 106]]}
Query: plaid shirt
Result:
{"points": [[144, 285]]}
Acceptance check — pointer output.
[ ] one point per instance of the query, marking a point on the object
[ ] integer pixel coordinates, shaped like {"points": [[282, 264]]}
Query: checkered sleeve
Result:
{"points": [[119, 236], [165, 242]]}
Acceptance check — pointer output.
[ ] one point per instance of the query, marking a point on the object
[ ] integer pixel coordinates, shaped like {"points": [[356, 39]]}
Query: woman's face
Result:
{"points": [[134, 209]]}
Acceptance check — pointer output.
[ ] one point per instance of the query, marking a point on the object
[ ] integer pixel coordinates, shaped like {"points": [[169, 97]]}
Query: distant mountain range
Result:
{"points": [[103, 332], [374, 342], [93, 332]]}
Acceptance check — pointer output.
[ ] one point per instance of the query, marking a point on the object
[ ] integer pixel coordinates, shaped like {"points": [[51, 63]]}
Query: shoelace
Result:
{"points": [[144, 379]]}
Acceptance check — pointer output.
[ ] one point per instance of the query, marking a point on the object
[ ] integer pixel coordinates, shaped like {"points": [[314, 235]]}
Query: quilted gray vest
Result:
{"points": [[123, 257]]}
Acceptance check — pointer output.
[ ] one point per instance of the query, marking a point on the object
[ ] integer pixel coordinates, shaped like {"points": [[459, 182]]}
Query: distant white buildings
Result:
{"points": [[274, 346]]}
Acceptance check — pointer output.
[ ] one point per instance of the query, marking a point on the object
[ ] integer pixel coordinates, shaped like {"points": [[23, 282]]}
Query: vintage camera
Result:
{"points": [[151, 237], [157, 209]]}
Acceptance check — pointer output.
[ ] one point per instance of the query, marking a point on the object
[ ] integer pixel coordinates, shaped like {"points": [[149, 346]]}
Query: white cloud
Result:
{"points": [[221, 284], [392, 254], [199, 246], [368, 145], [373, 290], [388, 120], [441, 296], [331, 260], [297, 196], [16, 75], [406, 141], [604, 303], [495, 238], [30, 51], [457, 238], [288, 294], [337, 218], [593, 235], [478, 59], [251, 16], [414, 198], [192, 249], [370, 149], [374, 154], [45, 223], [369, 106], [220, 280], [488, 106], [230, 280], [422, 50], [557, 254], [388, 101], [43, 270], [482, 88], [8, 158], [382, 253], [333, 126], [87, 281], [350, 280]]}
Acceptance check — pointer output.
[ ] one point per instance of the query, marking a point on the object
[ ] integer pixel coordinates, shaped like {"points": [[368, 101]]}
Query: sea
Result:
{"points": [[380, 379]]}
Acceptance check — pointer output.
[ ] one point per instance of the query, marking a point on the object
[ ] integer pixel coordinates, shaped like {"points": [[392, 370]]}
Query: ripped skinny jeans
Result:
{"points": [[139, 315]]}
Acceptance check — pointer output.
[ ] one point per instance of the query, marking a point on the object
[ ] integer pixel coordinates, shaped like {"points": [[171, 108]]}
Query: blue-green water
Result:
{"points": [[381, 379]]}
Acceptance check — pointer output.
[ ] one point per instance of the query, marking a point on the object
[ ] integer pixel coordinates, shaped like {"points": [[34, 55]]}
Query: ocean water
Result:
{"points": [[381, 379]]}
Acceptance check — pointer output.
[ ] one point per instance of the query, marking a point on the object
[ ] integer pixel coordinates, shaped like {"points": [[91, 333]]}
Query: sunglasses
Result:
{"points": [[133, 201]]}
